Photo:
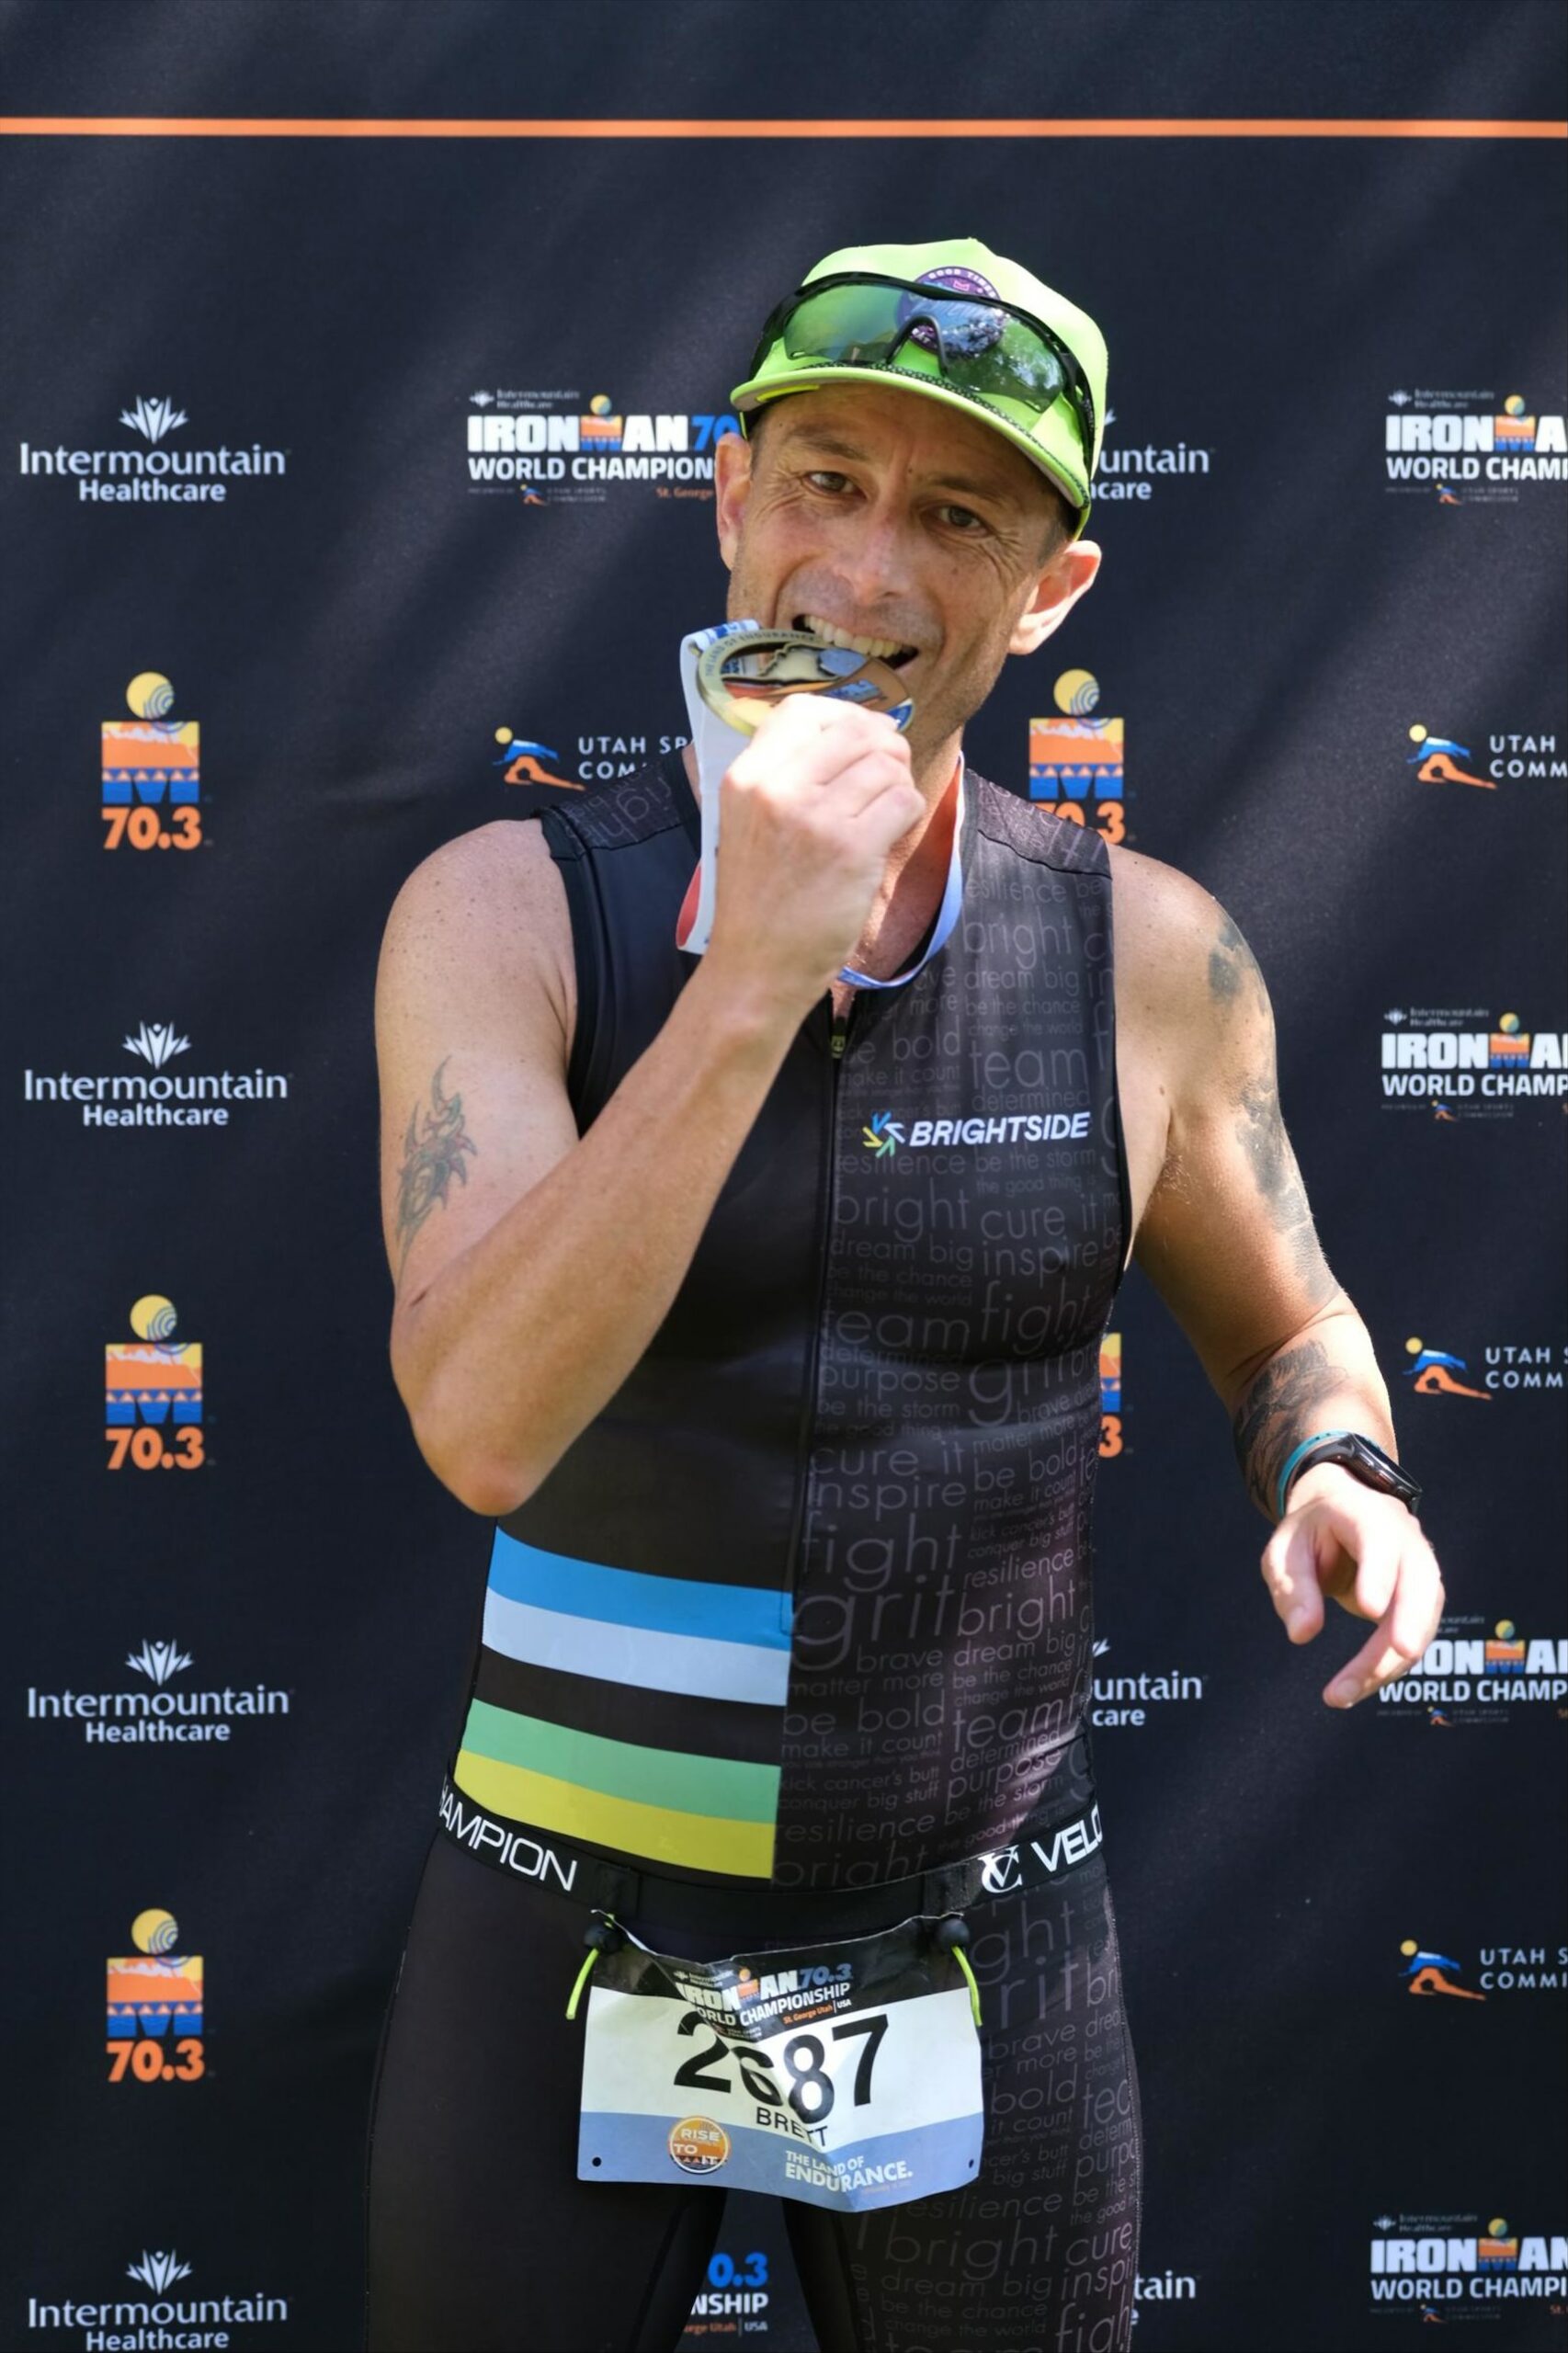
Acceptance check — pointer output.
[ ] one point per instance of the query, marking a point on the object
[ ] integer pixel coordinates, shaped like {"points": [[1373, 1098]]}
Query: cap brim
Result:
{"points": [[758, 389]]}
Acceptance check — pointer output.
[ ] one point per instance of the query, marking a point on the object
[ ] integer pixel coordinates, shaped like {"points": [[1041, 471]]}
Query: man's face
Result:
{"points": [[905, 527]]}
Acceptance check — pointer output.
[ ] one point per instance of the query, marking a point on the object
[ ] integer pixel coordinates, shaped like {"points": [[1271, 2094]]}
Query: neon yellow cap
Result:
{"points": [[962, 265]]}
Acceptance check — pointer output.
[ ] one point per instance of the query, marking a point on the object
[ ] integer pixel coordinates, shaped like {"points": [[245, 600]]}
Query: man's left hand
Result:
{"points": [[1343, 1537]]}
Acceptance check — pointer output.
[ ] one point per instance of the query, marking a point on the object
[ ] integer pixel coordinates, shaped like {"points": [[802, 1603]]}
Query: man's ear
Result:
{"points": [[1068, 575], [731, 487]]}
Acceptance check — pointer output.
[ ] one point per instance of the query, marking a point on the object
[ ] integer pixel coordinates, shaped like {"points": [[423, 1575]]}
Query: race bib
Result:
{"points": [[845, 2075]]}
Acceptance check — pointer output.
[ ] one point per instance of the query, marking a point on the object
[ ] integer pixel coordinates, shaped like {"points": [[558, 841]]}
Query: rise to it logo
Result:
{"points": [[1110, 1394], [155, 2007], [153, 1394], [152, 772], [1076, 760]]}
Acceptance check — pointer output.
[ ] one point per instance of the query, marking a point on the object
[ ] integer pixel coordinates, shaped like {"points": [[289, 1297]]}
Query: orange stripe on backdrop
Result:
{"points": [[317, 127]]}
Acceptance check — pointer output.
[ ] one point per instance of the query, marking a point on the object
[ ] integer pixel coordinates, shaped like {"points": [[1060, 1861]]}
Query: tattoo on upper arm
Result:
{"points": [[432, 1155], [1273, 1164], [1282, 1406], [1230, 963]]}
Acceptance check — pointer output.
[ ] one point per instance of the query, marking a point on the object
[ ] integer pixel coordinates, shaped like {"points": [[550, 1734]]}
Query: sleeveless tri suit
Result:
{"points": [[805, 1612]]}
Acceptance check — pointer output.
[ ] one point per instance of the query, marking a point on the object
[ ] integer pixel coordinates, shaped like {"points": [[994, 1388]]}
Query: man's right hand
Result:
{"points": [[807, 816]]}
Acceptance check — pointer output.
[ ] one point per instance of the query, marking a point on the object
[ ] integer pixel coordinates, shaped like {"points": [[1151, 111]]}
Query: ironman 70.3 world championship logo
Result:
{"points": [[151, 771], [153, 1394], [1076, 760], [155, 2007]]}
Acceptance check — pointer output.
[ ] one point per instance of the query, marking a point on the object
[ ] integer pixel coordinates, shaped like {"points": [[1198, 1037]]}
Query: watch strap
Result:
{"points": [[1357, 1454]]}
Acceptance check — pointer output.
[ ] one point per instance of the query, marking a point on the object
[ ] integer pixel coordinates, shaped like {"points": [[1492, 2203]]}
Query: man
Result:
{"points": [[759, 1297]]}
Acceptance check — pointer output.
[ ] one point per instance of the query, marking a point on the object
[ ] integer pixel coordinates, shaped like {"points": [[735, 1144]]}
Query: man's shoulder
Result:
{"points": [[1178, 950], [492, 891]]}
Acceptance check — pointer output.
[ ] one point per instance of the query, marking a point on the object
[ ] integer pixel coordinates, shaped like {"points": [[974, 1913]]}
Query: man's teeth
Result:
{"points": [[832, 635]]}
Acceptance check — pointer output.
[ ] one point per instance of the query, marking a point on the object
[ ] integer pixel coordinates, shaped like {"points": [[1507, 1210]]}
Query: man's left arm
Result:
{"points": [[1228, 1240]]}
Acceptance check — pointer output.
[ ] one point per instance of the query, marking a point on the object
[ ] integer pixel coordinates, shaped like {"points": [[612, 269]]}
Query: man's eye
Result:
{"points": [[823, 479], [963, 520]]}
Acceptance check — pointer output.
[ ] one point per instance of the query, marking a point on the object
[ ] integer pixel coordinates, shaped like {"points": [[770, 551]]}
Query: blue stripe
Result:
{"points": [[654, 1662], [936, 2157], [715, 1613]]}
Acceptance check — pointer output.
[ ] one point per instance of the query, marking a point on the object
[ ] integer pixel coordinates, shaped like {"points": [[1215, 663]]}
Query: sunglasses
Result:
{"points": [[987, 349]]}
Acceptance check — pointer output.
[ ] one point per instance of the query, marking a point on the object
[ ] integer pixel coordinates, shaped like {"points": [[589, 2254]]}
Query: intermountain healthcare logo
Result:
{"points": [[1110, 1394], [1133, 472], [559, 450], [155, 2013], [1469, 446], [1450, 2258], [1113, 1694], [1453, 1061], [145, 473], [594, 759], [1478, 1676], [153, 1398], [1077, 766], [1504, 757], [1504, 1366], [150, 784], [156, 1097], [1504, 1968], [152, 1712], [137, 2325]]}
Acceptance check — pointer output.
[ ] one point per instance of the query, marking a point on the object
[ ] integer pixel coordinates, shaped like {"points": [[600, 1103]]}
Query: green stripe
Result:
{"points": [[661, 1777]]}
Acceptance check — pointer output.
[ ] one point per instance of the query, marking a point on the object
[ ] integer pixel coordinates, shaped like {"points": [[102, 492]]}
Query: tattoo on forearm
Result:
{"points": [[1282, 1406], [433, 1154]]}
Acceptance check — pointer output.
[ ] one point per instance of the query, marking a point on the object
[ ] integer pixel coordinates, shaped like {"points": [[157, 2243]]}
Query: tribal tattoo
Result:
{"points": [[1283, 1405], [432, 1150]]}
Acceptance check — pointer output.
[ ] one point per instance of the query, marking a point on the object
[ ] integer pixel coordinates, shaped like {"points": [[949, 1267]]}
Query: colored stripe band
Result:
{"points": [[666, 1777], [698, 1724], [690, 1841], [664, 1605], [627, 1654]]}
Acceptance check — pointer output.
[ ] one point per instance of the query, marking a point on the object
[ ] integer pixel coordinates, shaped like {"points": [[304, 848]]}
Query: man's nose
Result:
{"points": [[874, 557]]}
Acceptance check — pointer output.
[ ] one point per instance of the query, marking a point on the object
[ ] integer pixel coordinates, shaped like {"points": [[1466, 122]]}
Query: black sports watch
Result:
{"points": [[1360, 1457]]}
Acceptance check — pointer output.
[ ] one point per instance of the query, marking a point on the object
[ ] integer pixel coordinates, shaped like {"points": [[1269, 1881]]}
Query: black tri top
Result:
{"points": [[809, 1602]]}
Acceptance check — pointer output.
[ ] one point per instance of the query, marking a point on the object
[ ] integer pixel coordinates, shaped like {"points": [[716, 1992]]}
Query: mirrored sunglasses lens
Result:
{"points": [[845, 323]]}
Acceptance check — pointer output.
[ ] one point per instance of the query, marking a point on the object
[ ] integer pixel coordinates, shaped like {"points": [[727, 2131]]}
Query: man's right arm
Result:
{"points": [[533, 1265]]}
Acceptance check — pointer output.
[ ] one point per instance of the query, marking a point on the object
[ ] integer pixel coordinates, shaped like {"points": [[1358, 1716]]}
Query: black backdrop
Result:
{"points": [[1337, 525]]}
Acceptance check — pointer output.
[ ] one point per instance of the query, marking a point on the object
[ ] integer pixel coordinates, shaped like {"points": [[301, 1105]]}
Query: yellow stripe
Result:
{"points": [[701, 1842]]}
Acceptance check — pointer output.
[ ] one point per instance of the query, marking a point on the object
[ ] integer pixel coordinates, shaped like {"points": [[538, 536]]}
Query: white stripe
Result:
{"points": [[691, 1663]]}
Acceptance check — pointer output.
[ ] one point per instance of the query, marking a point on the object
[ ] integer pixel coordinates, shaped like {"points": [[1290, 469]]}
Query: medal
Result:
{"points": [[742, 673]]}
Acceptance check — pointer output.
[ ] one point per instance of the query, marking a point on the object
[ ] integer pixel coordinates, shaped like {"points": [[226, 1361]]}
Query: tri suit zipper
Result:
{"points": [[827, 1182]]}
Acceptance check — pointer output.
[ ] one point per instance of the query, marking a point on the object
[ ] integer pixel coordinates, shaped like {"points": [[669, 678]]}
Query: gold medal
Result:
{"points": [[742, 674]]}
